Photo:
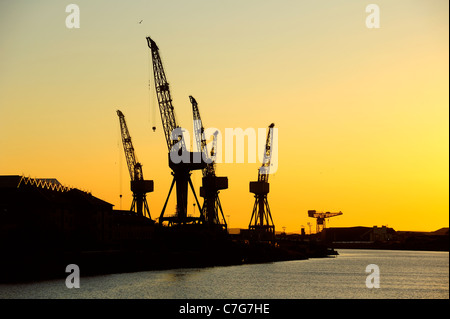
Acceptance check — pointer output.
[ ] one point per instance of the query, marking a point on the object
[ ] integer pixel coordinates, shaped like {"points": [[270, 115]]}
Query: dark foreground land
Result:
{"points": [[45, 226], [168, 247]]}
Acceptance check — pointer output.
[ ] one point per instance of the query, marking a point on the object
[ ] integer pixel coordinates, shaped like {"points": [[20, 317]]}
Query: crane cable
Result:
{"points": [[151, 94], [119, 141]]}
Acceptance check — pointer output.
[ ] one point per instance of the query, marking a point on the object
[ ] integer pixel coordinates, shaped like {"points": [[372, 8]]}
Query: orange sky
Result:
{"points": [[362, 114]]}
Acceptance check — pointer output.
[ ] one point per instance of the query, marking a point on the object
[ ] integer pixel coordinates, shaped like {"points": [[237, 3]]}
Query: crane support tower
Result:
{"points": [[261, 222], [186, 161], [320, 218], [139, 186], [211, 184]]}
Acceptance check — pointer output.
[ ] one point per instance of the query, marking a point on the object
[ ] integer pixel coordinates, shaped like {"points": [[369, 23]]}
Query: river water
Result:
{"points": [[402, 275]]}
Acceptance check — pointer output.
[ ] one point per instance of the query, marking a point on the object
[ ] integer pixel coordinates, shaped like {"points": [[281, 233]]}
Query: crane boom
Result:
{"points": [[166, 108], [199, 132], [134, 167], [211, 167], [198, 129], [263, 173], [315, 214]]}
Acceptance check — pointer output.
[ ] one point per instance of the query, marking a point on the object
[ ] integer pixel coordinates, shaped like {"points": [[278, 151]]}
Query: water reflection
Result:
{"points": [[404, 275]]}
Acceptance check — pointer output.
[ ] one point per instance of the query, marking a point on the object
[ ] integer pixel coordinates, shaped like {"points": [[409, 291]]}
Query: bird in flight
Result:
{"points": [[140, 21]]}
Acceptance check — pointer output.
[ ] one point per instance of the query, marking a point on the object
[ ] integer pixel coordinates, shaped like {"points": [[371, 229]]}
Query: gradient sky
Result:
{"points": [[362, 114]]}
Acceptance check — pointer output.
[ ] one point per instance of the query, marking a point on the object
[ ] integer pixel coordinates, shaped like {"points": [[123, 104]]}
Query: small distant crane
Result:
{"points": [[139, 186], [320, 218]]}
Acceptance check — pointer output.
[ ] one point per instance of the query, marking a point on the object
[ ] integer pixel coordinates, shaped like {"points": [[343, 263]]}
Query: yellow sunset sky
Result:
{"points": [[362, 114]]}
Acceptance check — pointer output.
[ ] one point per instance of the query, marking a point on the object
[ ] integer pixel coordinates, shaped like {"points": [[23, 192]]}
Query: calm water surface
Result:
{"points": [[403, 274]]}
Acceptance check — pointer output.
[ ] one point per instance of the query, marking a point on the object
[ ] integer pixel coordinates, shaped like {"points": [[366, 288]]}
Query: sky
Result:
{"points": [[362, 113]]}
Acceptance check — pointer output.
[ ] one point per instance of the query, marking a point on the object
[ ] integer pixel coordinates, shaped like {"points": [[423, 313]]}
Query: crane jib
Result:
{"points": [[134, 167], [263, 172], [166, 108]]}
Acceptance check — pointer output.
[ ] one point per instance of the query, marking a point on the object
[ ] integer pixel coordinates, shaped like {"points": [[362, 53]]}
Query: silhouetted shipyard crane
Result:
{"points": [[261, 222], [139, 186], [320, 218], [181, 161], [211, 184]]}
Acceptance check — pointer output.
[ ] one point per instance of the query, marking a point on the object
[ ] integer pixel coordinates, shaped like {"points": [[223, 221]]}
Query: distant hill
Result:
{"points": [[442, 231], [235, 231]]}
